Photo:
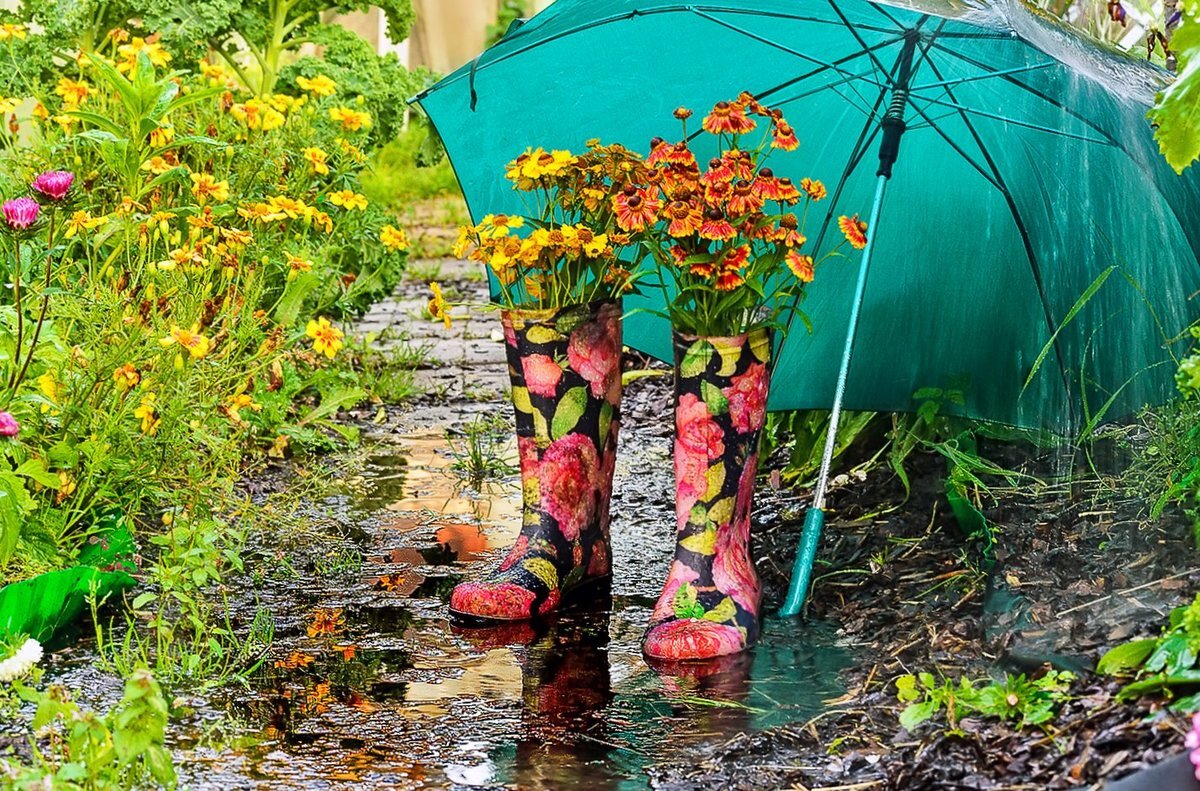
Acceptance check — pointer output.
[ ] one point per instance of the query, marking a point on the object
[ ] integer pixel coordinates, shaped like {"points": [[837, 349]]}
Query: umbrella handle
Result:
{"points": [[807, 551]]}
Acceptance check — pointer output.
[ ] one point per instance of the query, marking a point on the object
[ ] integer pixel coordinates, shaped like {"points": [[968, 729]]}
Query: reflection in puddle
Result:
{"points": [[373, 687]]}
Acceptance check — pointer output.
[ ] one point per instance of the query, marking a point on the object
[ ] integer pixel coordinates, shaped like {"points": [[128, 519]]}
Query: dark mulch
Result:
{"points": [[1077, 570]]}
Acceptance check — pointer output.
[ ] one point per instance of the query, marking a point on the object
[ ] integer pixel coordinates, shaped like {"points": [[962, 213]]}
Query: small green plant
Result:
{"points": [[1164, 665], [479, 451], [1018, 699], [79, 749]]}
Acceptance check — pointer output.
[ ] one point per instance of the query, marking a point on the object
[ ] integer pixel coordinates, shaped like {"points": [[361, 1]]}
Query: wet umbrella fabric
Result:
{"points": [[1033, 251]]}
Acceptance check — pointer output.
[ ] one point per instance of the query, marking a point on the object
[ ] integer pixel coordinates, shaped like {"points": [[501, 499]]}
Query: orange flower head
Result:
{"points": [[766, 186], [684, 218], [747, 102], [788, 194], [635, 209], [326, 622], [682, 113], [741, 163], [855, 231], [727, 118], [717, 194], [788, 232], [813, 188], [716, 227], [729, 271], [745, 199], [801, 266], [719, 172], [783, 136]]}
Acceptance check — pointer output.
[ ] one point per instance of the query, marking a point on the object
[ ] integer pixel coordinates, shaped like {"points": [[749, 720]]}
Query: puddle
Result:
{"points": [[375, 687]]}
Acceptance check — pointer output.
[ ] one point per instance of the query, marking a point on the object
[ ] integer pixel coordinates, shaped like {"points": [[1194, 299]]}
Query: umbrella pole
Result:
{"points": [[814, 520]]}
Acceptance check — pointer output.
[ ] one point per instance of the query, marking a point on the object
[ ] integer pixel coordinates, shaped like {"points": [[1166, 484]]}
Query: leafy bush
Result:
{"points": [[1165, 665], [181, 291], [1020, 699]]}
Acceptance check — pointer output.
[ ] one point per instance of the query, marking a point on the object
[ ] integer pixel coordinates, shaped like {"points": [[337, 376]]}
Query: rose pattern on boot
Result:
{"points": [[565, 367], [709, 604]]}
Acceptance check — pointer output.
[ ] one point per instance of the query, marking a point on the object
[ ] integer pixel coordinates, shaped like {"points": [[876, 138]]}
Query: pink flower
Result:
{"points": [[54, 184], [516, 553], [541, 374], [527, 450], [733, 571], [568, 474], [9, 427], [510, 335], [677, 577], [21, 213], [696, 429], [748, 398], [595, 353], [691, 480], [693, 639], [1192, 742]]}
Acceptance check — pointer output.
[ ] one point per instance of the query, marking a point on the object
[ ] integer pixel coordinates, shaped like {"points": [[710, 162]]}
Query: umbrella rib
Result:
{"points": [[825, 68], [1035, 270], [986, 76], [1004, 119], [1030, 89]]}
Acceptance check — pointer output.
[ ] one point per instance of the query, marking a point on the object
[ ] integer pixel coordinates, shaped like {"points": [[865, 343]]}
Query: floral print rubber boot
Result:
{"points": [[709, 605], [565, 366]]}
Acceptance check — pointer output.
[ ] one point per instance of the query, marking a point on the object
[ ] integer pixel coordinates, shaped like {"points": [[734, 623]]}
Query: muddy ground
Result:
{"points": [[369, 685]]}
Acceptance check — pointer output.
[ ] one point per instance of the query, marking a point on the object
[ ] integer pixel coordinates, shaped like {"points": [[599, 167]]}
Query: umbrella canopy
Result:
{"points": [[1034, 251]]}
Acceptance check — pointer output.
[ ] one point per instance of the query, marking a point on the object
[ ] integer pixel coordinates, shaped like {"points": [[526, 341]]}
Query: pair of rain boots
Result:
{"points": [[565, 367]]}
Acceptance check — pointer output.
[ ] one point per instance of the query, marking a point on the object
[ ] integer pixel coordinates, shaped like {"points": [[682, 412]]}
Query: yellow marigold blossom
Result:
{"points": [[596, 246], [40, 112], [393, 238], [351, 120], [257, 114], [260, 212], [205, 187], [82, 221], [214, 72], [148, 414], [162, 135], [236, 237], [284, 103], [73, 92], [157, 165], [182, 256], [463, 242], [438, 307], [65, 121], [196, 344], [321, 220], [8, 105], [351, 150], [496, 225], [317, 86], [48, 384], [316, 160], [239, 402], [10, 31], [326, 338], [537, 163], [291, 207], [128, 54], [297, 265], [66, 486], [348, 199], [126, 377]]}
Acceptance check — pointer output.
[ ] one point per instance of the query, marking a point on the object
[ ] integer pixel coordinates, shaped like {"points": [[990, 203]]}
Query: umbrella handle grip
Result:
{"points": [[802, 568]]}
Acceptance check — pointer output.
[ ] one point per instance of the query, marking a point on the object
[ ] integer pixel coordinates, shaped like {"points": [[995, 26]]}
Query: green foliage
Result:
{"points": [[803, 433], [1018, 699], [1177, 113], [509, 12], [398, 177], [1166, 665], [480, 451], [79, 749]]}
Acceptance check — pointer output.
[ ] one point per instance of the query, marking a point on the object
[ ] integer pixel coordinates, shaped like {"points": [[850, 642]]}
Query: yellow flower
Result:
{"points": [[351, 150], [290, 207], [463, 243], [126, 377], [49, 387], [351, 120], [205, 187], [317, 86], [65, 121], [82, 221], [326, 338], [348, 200], [257, 114], [214, 72], [438, 307], [128, 54], [157, 165], [10, 31], [321, 220], [596, 247], [284, 103], [40, 112], [162, 135], [316, 159], [66, 486], [146, 413], [8, 105], [73, 92], [393, 238], [297, 265], [239, 402], [196, 344]]}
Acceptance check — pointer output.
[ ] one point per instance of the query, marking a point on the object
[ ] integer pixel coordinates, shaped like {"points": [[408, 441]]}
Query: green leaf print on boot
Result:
{"points": [[565, 367], [709, 605]]}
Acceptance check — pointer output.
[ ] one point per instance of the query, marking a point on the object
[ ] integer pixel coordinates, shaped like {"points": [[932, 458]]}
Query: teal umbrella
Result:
{"points": [[1034, 251]]}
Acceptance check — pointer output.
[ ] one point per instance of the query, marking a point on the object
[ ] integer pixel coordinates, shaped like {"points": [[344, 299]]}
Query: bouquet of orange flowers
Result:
{"points": [[566, 248], [728, 242]]}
